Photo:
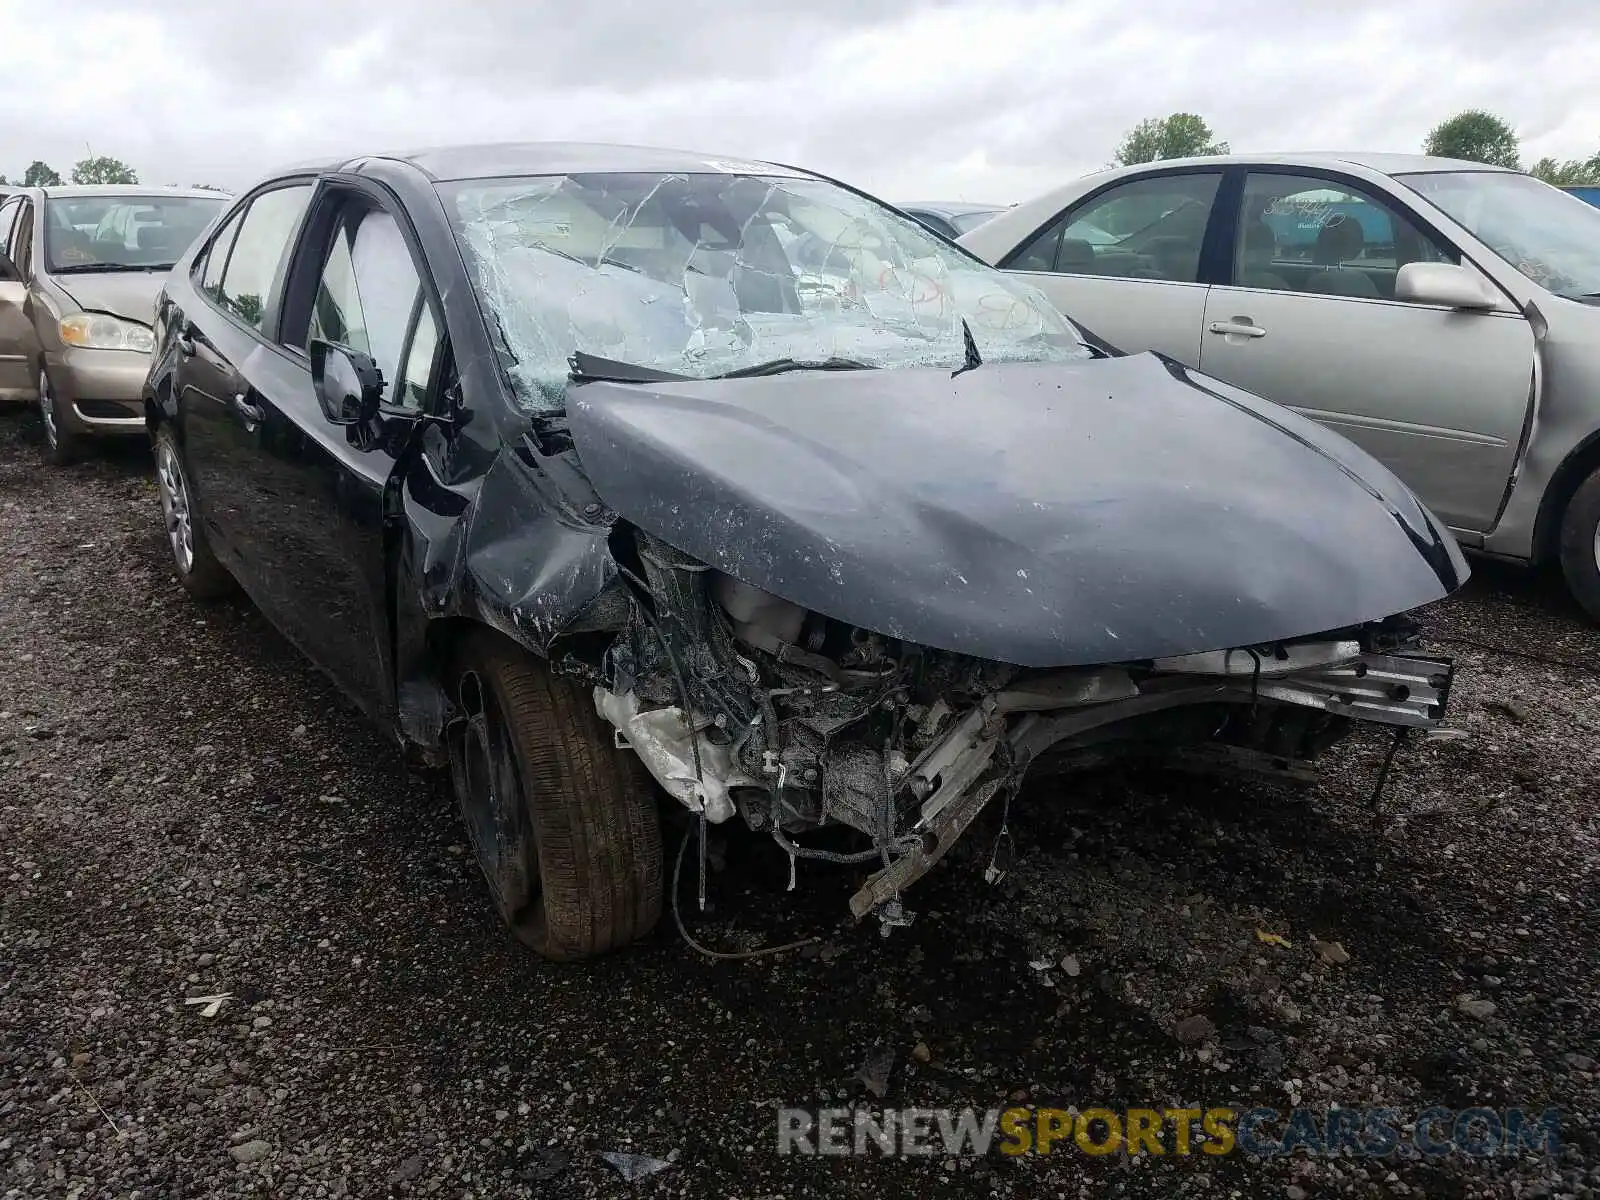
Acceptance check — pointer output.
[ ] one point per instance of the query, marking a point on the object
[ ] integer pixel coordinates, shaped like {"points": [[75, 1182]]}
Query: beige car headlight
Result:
{"points": [[97, 331]]}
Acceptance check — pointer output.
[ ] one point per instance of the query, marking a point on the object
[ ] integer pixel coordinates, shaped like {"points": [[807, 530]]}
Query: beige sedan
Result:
{"points": [[80, 269]]}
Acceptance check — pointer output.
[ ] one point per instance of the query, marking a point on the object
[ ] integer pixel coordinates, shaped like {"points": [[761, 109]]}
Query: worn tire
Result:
{"points": [[1580, 544], [586, 832], [203, 576]]}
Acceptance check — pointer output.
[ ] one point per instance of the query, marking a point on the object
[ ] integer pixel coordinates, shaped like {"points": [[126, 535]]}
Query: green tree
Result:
{"points": [[1572, 172], [208, 187], [1476, 136], [248, 306], [103, 170], [1181, 135], [40, 174]]}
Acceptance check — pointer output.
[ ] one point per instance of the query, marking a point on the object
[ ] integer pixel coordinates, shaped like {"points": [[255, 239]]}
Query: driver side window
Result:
{"points": [[1147, 228], [370, 298], [1323, 236]]}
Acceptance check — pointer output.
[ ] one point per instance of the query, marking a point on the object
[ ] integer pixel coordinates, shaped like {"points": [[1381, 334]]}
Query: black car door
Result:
{"points": [[237, 284], [317, 532]]}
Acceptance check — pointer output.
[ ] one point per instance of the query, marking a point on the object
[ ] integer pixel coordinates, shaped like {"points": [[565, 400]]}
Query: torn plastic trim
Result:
{"points": [[665, 743], [883, 888], [1388, 689], [1262, 661]]}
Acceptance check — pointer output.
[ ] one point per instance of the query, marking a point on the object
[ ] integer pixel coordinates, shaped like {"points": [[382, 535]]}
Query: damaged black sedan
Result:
{"points": [[601, 472]]}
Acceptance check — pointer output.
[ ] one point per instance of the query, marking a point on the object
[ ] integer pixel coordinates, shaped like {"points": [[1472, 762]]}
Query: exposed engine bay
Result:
{"points": [[742, 703]]}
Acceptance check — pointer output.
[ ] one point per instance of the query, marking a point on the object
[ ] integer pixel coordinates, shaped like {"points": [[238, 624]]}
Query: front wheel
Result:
{"points": [[1580, 545], [564, 825], [61, 444]]}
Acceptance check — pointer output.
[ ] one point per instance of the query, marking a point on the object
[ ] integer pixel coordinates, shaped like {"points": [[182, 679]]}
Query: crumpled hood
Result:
{"points": [[131, 295], [1039, 514]]}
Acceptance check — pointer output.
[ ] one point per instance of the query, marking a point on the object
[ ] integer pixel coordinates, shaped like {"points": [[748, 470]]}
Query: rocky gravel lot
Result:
{"points": [[187, 810]]}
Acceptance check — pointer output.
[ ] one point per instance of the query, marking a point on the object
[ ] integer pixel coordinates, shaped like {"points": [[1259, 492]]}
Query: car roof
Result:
{"points": [[1009, 224], [69, 190], [496, 159], [947, 208], [1382, 162]]}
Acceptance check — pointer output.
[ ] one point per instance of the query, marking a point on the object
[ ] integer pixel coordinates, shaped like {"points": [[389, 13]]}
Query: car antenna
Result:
{"points": [[974, 359]]}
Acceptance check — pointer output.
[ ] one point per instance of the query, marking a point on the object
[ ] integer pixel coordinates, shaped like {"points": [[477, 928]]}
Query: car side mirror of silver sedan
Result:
{"points": [[1442, 283]]}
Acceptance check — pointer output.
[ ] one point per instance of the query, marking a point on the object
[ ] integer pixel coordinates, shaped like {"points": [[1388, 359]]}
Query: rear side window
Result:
{"points": [[1039, 254], [259, 250], [1151, 227], [217, 258]]}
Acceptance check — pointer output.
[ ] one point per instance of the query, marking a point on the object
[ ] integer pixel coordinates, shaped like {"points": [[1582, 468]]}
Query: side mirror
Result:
{"points": [[348, 383], [1442, 283]]}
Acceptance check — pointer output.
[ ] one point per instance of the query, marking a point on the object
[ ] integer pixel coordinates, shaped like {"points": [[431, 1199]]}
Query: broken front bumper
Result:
{"points": [[961, 773]]}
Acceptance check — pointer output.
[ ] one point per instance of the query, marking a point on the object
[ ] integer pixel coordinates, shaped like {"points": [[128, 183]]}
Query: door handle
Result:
{"points": [[245, 409], [1238, 327]]}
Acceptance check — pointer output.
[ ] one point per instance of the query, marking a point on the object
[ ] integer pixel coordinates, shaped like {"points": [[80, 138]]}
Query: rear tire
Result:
{"points": [[1580, 545], [564, 825], [198, 569]]}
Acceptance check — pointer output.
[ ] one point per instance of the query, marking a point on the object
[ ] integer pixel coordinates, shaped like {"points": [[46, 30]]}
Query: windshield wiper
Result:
{"points": [[782, 366], [591, 368], [108, 268], [974, 359]]}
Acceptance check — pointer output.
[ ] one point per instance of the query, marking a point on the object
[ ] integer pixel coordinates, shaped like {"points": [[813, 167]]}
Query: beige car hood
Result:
{"points": [[130, 294]]}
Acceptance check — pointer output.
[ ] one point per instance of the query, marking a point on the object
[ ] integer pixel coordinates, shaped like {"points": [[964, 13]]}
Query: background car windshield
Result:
{"points": [[702, 273], [1551, 237], [123, 230]]}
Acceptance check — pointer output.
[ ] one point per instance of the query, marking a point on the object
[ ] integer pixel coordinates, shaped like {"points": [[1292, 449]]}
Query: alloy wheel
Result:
{"points": [[175, 506]]}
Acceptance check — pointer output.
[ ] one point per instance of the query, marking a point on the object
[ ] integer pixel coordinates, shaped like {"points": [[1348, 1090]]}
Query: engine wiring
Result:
{"points": [[706, 951]]}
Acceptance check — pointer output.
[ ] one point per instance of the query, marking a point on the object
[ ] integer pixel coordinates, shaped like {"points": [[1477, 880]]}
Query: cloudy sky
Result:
{"points": [[955, 99]]}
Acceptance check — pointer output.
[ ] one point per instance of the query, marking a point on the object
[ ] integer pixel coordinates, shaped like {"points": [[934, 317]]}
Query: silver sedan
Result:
{"points": [[1444, 315]]}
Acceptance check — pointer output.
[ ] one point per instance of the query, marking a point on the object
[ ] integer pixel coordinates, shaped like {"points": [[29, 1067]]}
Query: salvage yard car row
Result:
{"points": [[596, 473]]}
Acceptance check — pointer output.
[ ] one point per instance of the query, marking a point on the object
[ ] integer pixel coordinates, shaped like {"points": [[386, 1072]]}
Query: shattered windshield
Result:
{"points": [[699, 274]]}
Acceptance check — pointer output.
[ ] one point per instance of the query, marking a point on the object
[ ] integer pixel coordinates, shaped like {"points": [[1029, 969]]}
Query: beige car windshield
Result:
{"points": [[89, 232]]}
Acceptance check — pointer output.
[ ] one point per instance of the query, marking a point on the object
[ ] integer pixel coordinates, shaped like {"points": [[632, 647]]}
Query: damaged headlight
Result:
{"points": [[100, 331]]}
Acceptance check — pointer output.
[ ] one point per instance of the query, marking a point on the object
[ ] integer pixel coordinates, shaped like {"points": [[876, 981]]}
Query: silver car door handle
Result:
{"points": [[1239, 326], [248, 411]]}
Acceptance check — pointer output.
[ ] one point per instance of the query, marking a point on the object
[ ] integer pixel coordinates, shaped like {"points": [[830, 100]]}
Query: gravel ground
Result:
{"points": [[186, 809]]}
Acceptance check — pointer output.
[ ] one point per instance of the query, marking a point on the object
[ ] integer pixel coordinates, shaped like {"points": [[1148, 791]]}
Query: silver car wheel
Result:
{"points": [[47, 410], [175, 506]]}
